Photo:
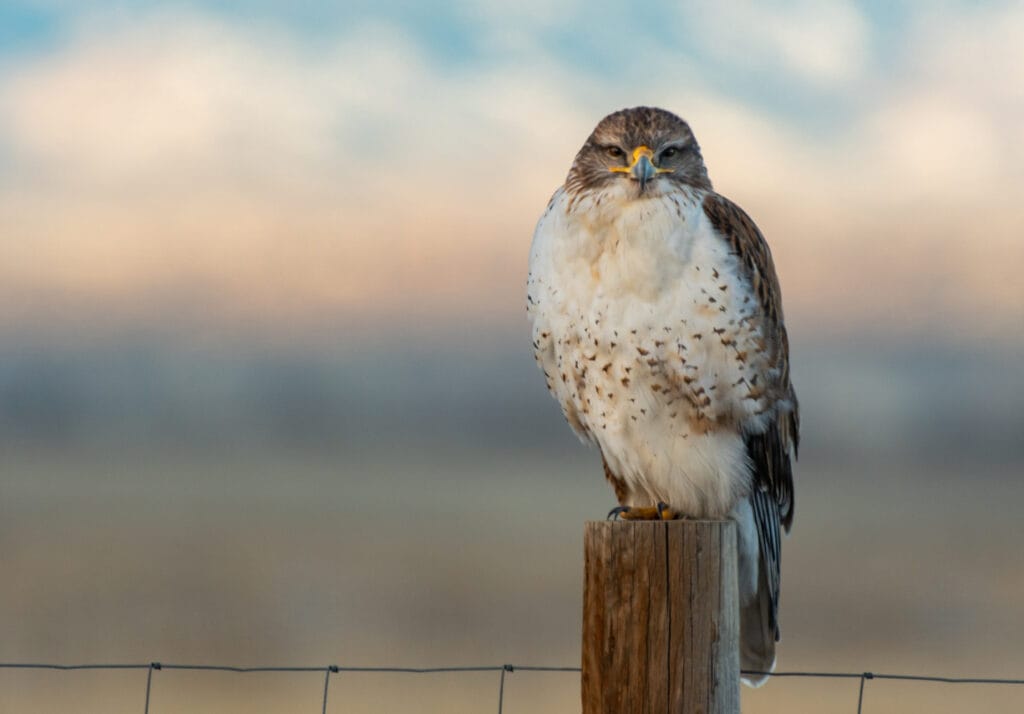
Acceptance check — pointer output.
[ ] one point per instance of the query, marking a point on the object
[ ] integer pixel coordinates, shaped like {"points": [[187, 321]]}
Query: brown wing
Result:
{"points": [[783, 435], [769, 451]]}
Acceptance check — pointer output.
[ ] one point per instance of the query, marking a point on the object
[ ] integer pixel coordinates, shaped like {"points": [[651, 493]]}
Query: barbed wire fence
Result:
{"points": [[503, 669]]}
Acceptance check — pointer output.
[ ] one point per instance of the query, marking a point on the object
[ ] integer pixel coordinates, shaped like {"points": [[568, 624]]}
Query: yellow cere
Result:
{"points": [[640, 152], [643, 151]]}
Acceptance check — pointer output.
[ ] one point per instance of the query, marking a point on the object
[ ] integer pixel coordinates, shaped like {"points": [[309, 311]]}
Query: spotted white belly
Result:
{"points": [[649, 337]]}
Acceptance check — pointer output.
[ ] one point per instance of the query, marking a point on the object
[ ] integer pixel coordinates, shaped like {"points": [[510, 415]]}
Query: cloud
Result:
{"points": [[926, 141], [178, 164], [818, 42], [968, 62], [181, 155], [180, 93]]}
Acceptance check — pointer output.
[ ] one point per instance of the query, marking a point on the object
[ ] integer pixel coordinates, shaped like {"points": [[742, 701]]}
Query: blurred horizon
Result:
{"points": [[266, 387], [890, 397]]}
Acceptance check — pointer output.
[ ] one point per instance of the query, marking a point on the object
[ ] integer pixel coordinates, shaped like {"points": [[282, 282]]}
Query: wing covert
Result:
{"points": [[770, 450]]}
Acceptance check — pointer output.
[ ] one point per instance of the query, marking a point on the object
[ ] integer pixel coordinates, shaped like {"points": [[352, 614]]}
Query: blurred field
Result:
{"points": [[371, 506]]}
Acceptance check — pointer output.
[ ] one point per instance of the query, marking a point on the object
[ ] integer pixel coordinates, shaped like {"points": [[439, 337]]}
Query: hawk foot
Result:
{"points": [[661, 512]]}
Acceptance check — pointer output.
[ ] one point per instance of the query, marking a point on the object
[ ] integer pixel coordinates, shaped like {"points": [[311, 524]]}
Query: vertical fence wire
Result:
{"points": [[860, 695], [149, 682], [501, 685], [327, 682]]}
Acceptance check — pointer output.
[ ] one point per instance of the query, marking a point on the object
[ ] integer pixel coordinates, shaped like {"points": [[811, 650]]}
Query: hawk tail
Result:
{"points": [[759, 625], [757, 634]]}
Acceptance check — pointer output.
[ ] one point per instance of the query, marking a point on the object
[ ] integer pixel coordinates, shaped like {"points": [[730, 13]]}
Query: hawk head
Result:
{"points": [[645, 150]]}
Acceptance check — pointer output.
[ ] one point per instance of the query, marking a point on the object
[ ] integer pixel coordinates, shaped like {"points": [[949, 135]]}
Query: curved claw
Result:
{"points": [[666, 512], [613, 515]]}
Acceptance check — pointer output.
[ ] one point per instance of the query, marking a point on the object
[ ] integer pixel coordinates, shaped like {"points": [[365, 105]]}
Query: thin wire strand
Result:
{"points": [[877, 675], [502, 669], [149, 684], [501, 687], [947, 680], [482, 668], [232, 668], [833, 675], [860, 695], [39, 665], [327, 681]]}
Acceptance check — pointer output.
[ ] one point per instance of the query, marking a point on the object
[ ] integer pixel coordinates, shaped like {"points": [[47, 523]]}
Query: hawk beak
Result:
{"points": [[642, 169]]}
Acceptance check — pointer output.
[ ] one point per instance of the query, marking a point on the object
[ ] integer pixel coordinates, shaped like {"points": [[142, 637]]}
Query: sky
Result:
{"points": [[263, 169]]}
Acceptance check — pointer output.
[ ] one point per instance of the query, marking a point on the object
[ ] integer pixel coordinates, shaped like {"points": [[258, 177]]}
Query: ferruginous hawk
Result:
{"points": [[657, 321]]}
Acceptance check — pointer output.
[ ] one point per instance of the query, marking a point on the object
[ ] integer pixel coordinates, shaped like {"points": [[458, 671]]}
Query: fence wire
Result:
{"points": [[503, 669]]}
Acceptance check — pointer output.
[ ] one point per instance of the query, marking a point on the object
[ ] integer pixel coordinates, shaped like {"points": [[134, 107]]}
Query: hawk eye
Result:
{"points": [[614, 152], [670, 152]]}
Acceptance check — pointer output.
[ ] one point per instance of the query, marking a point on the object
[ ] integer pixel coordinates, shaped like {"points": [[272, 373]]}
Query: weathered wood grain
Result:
{"points": [[660, 618]]}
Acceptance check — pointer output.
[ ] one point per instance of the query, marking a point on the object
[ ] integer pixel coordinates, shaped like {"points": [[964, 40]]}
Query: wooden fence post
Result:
{"points": [[660, 618]]}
